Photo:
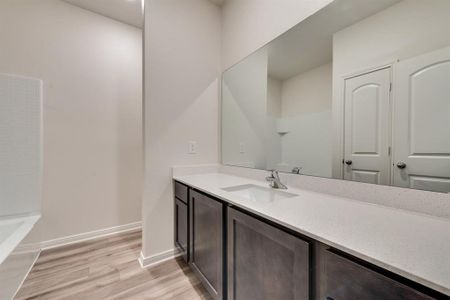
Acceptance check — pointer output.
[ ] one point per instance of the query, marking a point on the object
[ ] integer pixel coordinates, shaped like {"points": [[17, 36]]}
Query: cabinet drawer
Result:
{"points": [[181, 192], [346, 279]]}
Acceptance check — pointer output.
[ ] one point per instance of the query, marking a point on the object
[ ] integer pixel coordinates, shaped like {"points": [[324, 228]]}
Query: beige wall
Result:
{"points": [[91, 68], [182, 66]]}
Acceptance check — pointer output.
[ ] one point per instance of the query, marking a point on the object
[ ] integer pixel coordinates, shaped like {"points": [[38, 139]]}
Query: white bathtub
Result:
{"points": [[12, 231]]}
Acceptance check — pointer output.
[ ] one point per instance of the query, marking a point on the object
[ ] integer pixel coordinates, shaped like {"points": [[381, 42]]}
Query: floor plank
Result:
{"points": [[107, 268]]}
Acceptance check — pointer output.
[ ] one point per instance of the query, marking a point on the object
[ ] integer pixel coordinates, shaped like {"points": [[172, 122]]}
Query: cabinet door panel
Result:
{"points": [[207, 242], [346, 279], [182, 227], [265, 262]]}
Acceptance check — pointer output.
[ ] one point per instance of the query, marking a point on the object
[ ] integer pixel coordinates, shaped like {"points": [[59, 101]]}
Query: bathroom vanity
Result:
{"points": [[247, 241]]}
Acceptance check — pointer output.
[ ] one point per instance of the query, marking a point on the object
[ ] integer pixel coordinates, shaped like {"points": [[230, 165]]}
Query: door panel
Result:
{"points": [[366, 176], [429, 183], [365, 119], [430, 109], [181, 233], [206, 242], [265, 262], [422, 122], [367, 126]]}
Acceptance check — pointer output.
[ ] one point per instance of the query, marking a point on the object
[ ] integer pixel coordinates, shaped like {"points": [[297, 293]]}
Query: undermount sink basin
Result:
{"points": [[258, 193]]}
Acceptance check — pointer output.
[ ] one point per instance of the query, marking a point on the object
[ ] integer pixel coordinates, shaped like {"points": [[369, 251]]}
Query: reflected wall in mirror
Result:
{"points": [[358, 91]]}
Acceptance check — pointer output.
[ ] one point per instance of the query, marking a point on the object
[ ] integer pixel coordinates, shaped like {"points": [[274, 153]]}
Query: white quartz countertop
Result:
{"points": [[413, 245]]}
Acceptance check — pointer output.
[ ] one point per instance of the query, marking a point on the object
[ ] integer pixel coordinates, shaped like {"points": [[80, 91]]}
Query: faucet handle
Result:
{"points": [[296, 170], [274, 173], [274, 180]]}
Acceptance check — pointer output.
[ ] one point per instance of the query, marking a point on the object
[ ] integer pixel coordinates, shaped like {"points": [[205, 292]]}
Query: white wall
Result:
{"points": [[254, 103], [306, 109], [404, 30], [91, 69], [251, 105], [182, 66], [274, 97], [244, 109], [273, 115], [250, 24]]}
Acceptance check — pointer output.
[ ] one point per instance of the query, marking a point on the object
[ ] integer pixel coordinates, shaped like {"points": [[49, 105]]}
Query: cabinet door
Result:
{"points": [[181, 228], [345, 279], [207, 242], [265, 262]]}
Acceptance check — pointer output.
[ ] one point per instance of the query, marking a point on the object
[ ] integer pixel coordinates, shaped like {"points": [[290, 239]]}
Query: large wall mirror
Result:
{"points": [[358, 91]]}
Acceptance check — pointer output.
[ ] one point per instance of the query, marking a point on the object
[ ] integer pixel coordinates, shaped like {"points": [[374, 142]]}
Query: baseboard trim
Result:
{"points": [[82, 237], [156, 259]]}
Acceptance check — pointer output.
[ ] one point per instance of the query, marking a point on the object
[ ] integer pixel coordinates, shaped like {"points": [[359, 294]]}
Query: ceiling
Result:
{"points": [[309, 44], [126, 11]]}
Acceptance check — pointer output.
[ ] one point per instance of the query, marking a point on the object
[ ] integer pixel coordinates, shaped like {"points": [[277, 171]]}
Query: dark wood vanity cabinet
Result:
{"points": [[182, 220], [206, 251], [346, 279], [265, 262], [239, 256]]}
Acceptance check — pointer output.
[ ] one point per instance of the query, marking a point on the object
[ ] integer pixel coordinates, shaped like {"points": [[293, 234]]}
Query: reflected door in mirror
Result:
{"points": [[422, 122], [366, 133]]}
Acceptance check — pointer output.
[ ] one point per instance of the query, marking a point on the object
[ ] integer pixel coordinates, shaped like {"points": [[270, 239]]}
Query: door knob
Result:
{"points": [[401, 165], [348, 162]]}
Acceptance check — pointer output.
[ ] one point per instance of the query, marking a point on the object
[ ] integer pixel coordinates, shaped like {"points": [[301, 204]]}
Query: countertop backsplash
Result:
{"points": [[425, 202]]}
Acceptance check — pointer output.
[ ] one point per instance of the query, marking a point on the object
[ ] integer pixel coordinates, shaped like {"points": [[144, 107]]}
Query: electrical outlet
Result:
{"points": [[192, 147], [241, 147]]}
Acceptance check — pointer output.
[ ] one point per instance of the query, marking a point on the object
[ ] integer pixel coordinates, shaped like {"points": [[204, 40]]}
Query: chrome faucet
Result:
{"points": [[296, 170], [275, 181]]}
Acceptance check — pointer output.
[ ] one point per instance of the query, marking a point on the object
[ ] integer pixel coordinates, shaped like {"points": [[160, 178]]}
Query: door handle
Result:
{"points": [[401, 165], [348, 162]]}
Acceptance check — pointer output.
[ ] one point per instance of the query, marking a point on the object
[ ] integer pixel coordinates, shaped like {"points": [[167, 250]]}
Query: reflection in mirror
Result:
{"points": [[358, 91]]}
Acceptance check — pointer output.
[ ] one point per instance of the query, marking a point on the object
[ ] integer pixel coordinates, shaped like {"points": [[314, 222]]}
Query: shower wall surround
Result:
{"points": [[20, 145], [20, 177]]}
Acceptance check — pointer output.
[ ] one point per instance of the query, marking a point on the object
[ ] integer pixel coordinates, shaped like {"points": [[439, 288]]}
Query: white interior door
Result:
{"points": [[422, 122], [367, 127]]}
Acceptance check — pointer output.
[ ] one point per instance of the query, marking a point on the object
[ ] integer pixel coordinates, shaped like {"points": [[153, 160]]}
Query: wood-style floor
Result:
{"points": [[107, 268]]}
